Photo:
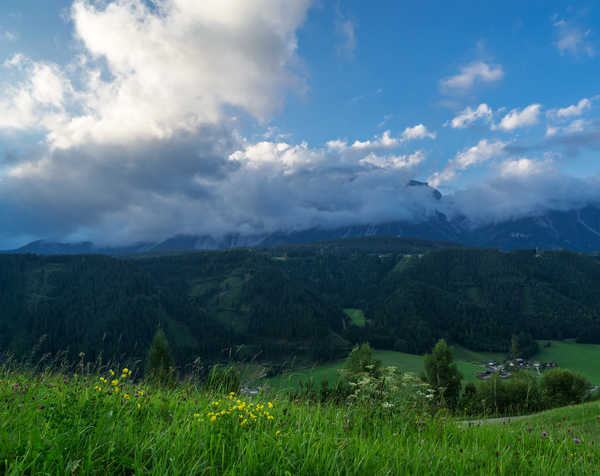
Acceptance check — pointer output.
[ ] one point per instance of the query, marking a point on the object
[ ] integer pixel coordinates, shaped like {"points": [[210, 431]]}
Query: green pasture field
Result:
{"points": [[66, 424], [406, 362]]}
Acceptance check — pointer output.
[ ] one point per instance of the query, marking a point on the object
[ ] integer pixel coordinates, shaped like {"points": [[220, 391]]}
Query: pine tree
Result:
{"points": [[442, 373], [160, 367]]}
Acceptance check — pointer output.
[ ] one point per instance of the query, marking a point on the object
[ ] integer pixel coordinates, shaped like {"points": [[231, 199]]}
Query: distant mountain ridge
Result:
{"points": [[574, 230]]}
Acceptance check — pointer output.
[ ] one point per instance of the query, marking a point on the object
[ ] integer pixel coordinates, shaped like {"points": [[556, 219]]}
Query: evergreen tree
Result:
{"points": [[514, 347], [361, 361], [160, 367], [442, 373]]}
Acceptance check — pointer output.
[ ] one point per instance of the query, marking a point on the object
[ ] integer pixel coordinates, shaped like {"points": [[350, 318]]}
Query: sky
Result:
{"points": [[136, 120]]}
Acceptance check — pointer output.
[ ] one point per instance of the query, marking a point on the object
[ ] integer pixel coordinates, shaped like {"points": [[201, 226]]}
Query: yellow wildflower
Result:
{"points": [[116, 389], [277, 433], [125, 370], [270, 405], [111, 371], [139, 406], [213, 418], [115, 382], [196, 415]]}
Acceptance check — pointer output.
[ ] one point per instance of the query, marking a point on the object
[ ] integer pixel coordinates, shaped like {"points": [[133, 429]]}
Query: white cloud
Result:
{"points": [[468, 116], [395, 161], [575, 126], [383, 141], [36, 102], [185, 63], [470, 74], [573, 39], [417, 132], [571, 111], [482, 152], [523, 167], [516, 118]]}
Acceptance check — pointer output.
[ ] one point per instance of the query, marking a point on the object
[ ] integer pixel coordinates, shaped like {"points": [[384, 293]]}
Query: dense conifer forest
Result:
{"points": [[288, 302]]}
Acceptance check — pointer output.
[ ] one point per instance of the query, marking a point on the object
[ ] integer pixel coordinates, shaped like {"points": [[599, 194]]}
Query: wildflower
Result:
{"points": [[277, 433], [213, 418], [116, 389], [544, 433], [111, 372], [270, 405], [114, 383], [196, 415], [125, 370], [139, 406], [126, 396], [576, 440]]}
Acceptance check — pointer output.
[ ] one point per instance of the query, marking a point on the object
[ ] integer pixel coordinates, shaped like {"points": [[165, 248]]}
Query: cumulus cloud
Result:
{"points": [[395, 161], [470, 75], [468, 116], [573, 39], [36, 102], [574, 127], [383, 141], [573, 110], [417, 132], [185, 63], [524, 167], [520, 118], [482, 152]]}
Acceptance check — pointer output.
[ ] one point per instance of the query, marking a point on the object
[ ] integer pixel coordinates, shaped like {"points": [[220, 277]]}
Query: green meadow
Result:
{"points": [[581, 358], [468, 363], [110, 424]]}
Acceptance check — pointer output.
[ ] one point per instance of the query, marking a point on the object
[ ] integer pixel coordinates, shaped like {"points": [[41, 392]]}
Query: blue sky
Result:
{"points": [[125, 120]]}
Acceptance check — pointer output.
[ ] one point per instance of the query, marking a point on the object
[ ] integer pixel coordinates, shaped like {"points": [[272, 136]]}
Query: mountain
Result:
{"points": [[575, 230]]}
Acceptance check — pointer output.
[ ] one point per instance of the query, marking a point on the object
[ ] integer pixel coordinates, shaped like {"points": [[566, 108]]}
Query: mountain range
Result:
{"points": [[575, 230]]}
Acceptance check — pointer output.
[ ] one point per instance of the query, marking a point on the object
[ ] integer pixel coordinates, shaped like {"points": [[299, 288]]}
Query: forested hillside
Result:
{"points": [[284, 302]]}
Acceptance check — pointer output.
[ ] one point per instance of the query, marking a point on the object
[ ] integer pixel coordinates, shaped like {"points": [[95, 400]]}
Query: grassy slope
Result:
{"points": [[357, 316], [468, 362], [61, 425], [582, 358]]}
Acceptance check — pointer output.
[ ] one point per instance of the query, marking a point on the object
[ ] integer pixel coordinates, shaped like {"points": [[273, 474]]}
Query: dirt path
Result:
{"points": [[483, 421]]}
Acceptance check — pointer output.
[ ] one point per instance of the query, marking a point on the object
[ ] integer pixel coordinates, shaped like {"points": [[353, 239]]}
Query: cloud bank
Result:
{"points": [[145, 141]]}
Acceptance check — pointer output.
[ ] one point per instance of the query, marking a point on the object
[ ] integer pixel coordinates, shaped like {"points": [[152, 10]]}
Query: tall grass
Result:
{"points": [[59, 423]]}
